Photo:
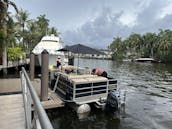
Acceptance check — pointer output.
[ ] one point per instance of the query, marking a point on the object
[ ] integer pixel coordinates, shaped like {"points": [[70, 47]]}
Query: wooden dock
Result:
{"points": [[11, 86], [53, 100], [12, 114]]}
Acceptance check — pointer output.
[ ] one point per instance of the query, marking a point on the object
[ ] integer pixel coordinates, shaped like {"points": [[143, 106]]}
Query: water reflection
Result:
{"points": [[148, 98], [67, 119]]}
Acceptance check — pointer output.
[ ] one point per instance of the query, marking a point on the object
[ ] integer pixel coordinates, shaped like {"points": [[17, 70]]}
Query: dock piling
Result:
{"points": [[44, 75], [32, 66]]}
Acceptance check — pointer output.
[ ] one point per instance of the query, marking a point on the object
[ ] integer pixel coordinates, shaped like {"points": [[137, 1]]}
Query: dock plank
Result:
{"points": [[12, 114], [53, 102]]}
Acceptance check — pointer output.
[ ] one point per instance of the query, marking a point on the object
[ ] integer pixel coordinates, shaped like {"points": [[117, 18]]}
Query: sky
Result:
{"points": [[96, 22]]}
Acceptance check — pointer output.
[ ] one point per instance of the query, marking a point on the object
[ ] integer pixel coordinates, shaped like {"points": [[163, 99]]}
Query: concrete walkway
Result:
{"points": [[12, 115], [10, 85]]}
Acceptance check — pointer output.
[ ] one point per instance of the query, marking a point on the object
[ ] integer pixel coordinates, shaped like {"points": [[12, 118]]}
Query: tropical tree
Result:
{"points": [[4, 4], [22, 20], [149, 40], [36, 29], [157, 46], [165, 45], [133, 45], [33, 34], [10, 39], [118, 48], [54, 31], [42, 24]]}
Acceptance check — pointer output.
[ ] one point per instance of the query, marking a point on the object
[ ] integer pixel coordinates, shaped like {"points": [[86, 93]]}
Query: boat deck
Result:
{"points": [[53, 100]]}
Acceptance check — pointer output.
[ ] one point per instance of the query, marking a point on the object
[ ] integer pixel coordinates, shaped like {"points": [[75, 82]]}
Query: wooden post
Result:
{"points": [[32, 66], [44, 75], [4, 62]]}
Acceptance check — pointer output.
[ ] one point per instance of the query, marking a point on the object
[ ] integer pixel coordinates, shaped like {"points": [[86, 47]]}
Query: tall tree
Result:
{"points": [[10, 39], [4, 4], [118, 48], [22, 20], [133, 45], [149, 39], [33, 34], [165, 45], [53, 30], [43, 24], [157, 46]]}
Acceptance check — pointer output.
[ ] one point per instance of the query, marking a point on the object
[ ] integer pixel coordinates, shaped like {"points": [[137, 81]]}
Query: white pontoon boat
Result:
{"points": [[81, 89]]}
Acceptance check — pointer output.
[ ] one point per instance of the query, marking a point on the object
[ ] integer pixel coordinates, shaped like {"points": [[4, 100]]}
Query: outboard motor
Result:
{"points": [[111, 102]]}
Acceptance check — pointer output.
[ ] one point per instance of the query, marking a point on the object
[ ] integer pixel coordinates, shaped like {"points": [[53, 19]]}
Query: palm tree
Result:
{"points": [[118, 48], [4, 4], [165, 45], [54, 31], [22, 20], [32, 33], [134, 42], [10, 40], [43, 24], [148, 46]]}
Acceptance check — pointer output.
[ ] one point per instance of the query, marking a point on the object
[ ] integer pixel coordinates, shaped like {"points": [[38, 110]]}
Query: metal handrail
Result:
{"points": [[42, 116]]}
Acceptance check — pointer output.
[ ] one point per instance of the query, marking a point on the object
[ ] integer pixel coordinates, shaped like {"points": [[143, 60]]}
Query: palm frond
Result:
{"points": [[14, 5]]}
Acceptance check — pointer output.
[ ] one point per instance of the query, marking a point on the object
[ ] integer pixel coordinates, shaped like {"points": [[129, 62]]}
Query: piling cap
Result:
{"points": [[44, 51]]}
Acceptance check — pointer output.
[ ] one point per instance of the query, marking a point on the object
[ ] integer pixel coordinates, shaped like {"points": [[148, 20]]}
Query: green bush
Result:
{"points": [[14, 53]]}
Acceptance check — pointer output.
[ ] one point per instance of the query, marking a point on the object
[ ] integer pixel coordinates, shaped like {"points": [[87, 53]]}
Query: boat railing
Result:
{"points": [[80, 89], [40, 119], [93, 88]]}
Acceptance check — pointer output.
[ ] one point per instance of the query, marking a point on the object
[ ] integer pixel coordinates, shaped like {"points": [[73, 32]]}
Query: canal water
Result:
{"points": [[148, 98]]}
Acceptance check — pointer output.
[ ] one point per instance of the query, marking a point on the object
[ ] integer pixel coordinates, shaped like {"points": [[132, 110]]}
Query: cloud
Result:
{"points": [[147, 20], [95, 23], [99, 32]]}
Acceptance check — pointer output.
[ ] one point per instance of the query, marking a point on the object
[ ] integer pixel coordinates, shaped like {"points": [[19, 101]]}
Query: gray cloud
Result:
{"points": [[96, 22], [147, 20], [100, 31]]}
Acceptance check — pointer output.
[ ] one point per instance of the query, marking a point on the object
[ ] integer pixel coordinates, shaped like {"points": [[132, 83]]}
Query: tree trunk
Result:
{"points": [[4, 59]]}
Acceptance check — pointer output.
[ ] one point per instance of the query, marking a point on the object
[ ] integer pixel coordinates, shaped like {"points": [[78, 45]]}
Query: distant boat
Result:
{"points": [[146, 60], [127, 60], [51, 44]]}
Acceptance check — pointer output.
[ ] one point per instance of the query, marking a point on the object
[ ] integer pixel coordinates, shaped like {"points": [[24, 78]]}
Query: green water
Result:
{"points": [[148, 98]]}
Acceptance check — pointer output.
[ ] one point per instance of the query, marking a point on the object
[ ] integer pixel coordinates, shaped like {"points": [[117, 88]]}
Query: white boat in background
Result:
{"points": [[51, 44], [146, 60]]}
